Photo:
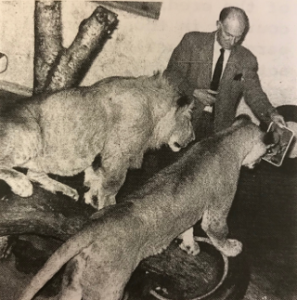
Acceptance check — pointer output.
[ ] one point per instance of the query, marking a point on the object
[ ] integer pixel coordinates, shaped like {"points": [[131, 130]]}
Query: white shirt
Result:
{"points": [[216, 54]]}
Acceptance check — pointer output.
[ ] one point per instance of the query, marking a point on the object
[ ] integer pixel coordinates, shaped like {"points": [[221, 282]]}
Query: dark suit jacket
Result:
{"points": [[190, 68]]}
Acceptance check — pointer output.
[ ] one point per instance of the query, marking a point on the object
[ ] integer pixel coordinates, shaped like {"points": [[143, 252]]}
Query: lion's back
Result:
{"points": [[76, 124], [74, 129], [116, 115]]}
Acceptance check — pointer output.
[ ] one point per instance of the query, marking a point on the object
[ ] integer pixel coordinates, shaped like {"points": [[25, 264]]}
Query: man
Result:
{"points": [[217, 71]]}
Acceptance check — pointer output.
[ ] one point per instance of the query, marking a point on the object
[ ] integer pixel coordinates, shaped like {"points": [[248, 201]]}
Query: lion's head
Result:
{"points": [[182, 132], [258, 141], [175, 128]]}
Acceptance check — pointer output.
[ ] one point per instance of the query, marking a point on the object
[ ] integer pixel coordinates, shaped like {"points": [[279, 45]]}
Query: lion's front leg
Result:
{"points": [[95, 196], [52, 185], [214, 223], [104, 183]]}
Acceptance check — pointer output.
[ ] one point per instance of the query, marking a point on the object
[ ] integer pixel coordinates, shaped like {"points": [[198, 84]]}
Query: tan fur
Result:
{"points": [[101, 258], [116, 118]]}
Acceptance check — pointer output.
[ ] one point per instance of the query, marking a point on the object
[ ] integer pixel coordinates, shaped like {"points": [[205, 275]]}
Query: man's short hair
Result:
{"points": [[225, 13]]}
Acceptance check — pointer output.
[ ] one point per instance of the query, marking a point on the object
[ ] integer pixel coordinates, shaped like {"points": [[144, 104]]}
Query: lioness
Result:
{"points": [[101, 258], [115, 121]]}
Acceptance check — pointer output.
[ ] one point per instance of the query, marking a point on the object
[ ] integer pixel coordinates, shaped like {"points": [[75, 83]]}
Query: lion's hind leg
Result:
{"points": [[71, 284], [52, 185], [18, 182], [214, 223]]}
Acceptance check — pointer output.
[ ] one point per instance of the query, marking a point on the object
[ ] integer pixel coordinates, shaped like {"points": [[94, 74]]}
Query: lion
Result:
{"points": [[201, 184], [103, 130]]}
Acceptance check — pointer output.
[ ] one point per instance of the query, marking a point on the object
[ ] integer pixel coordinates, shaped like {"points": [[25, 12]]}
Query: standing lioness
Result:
{"points": [[101, 258], [112, 122]]}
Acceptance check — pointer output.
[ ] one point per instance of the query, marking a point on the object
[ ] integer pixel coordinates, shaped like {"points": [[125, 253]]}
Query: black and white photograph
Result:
{"points": [[148, 150]]}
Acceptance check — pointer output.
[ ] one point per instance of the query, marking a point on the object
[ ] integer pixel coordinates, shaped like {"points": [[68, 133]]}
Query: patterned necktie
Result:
{"points": [[217, 72]]}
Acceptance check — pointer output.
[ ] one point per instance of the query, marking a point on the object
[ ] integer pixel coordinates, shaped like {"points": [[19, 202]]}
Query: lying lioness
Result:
{"points": [[101, 258]]}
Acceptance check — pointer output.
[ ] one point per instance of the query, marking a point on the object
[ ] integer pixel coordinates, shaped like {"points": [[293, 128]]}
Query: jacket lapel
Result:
{"points": [[204, 55]]}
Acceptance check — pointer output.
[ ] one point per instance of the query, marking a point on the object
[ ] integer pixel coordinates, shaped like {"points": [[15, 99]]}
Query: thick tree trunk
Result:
{"points": [[48, 40], [74, 62]]}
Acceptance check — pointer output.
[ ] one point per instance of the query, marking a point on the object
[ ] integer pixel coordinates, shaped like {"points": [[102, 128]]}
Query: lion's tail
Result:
{"points": [[60, 257]]}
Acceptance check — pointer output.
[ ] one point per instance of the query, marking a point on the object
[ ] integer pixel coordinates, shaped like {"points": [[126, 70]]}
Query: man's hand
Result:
{"points": [[204, 97], [278, 119]]}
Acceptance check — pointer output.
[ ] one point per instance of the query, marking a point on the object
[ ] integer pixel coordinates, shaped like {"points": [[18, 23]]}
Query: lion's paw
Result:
{"points": [[231, 248], [66, 190], [95, 198], [91, 198], [22, 187], [88, 197], [191, 247], [72, 193]]}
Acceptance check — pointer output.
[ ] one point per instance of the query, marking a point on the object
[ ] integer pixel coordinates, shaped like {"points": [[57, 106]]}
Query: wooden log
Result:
{"points": [[73, 63], [34, 223], [57, 215], [48, 40], [43, 213]]}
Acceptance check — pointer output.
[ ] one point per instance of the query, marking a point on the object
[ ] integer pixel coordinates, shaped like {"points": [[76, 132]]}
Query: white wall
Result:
{"points": [[141, 46]]}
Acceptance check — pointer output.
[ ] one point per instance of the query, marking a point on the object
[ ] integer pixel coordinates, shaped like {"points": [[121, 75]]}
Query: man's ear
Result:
{"points": [[218, 24]]}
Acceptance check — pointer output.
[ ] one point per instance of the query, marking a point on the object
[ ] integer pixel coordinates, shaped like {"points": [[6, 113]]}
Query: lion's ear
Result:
{"points": [[186, 108], [270, 138], [183, 100], [241, 119]]}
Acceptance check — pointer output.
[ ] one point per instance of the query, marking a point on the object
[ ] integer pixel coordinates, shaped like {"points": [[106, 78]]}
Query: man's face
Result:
{"points": [[230, 32]]}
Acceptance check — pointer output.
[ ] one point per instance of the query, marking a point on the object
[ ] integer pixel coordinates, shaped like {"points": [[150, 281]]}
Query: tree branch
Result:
{"points": [[48, 40], [74, 62]]}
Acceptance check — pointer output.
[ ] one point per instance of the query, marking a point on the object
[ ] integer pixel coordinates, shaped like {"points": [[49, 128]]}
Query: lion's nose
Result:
{"points": [[193, 136]]}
